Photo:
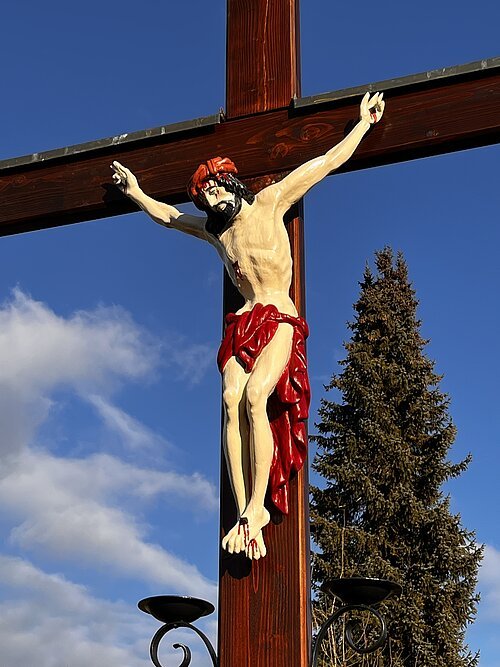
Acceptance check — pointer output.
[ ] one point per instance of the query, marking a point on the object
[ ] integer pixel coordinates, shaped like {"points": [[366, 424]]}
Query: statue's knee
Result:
{"points": [[231, 400], [256, 400]]}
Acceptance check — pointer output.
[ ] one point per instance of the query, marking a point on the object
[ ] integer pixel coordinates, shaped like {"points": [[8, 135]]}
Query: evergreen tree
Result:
{"points": [[383, 453]]}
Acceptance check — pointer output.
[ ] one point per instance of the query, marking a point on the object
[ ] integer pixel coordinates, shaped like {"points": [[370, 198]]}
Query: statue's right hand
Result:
{"points": [[372, 108], [123, 178]]}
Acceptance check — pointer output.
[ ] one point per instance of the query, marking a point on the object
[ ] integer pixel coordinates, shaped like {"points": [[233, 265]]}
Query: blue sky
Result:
{"points": [[109, 395]]}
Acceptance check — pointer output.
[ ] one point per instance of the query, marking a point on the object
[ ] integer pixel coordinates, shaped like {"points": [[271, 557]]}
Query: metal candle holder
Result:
{"points": [[355, 594], [177, 611]]}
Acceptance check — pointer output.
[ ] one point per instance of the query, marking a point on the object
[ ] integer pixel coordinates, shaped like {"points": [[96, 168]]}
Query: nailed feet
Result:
{"points": [[246, 535]]}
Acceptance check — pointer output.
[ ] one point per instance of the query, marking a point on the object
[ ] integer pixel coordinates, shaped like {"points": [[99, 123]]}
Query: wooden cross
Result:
{"points": [[267, 130]]}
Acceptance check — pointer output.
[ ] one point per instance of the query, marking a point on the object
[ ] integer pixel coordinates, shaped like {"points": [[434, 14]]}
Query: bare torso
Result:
{"points": [[256, 252]]}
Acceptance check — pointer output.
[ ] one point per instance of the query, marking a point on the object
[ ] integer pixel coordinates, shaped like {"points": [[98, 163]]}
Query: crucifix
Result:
{"points": [[262, 357], [268, 130]]}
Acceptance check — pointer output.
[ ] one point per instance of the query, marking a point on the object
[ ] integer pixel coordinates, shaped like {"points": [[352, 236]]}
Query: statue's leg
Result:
{"points": [[236, 434], [263, 379]]}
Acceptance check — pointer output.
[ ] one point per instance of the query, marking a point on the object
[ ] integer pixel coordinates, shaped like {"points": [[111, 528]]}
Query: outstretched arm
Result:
{"points": [[298, 182], [163, 214]]}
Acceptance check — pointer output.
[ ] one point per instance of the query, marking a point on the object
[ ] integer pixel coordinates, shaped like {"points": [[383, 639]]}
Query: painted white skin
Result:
{"points": [[256, 253]]}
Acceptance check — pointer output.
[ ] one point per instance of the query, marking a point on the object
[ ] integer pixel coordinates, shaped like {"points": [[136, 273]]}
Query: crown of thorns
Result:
{"points": [[217, 168]]}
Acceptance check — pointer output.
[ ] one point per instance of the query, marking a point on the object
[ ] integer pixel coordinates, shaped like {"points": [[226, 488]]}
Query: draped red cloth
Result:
{"points": [[245, 337]]}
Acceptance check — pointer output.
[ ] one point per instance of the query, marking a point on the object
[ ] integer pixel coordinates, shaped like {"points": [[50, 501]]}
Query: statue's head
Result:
{"points": [[215, 189]]}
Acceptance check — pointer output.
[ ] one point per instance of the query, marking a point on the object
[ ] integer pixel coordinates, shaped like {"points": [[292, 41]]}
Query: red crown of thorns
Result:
{"points": [[216, 167]]}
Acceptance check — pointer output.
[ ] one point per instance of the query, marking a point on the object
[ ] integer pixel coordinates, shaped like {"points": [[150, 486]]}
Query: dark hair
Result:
{"points": [[232, 184], [216, 221]]}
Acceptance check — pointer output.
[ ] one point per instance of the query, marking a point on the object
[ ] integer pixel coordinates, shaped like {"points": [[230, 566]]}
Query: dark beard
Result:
{"points": [[220, 220]]}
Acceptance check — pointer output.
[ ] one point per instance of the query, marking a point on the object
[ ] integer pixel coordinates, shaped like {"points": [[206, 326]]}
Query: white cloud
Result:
{"points": [[40, 352], [88, 352], [81, 509], [489, 584], [49, 621], [100, 478], [72, 509], [39, 349], [133, 435], [191, 360]]}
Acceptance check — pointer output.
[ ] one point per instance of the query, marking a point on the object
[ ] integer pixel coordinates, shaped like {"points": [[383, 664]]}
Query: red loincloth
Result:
{"points": [[245, 337]]}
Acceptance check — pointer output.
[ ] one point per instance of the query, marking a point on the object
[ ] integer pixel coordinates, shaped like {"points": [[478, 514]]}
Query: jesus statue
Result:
{"points": [[262, 356]]}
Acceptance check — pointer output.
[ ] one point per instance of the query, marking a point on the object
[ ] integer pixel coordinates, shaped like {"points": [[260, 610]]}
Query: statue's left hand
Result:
{"points": [[372, 108], [123, 178]]}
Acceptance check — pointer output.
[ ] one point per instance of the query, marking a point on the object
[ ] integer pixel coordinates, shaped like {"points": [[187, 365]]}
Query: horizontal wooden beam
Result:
{"points": [[428, 114]]}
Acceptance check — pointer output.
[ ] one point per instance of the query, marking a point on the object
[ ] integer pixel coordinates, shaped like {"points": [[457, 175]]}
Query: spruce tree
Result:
{"points": [[383, 453]]}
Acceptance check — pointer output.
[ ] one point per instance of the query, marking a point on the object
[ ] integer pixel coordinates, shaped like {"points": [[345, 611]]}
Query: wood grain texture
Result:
{"points": [[262, 70], [264, 607], [422, 120]]}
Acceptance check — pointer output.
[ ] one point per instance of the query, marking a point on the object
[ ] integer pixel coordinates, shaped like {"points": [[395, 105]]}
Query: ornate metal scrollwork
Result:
{"points": [[155, 643], [373, 645], [356, 594]]}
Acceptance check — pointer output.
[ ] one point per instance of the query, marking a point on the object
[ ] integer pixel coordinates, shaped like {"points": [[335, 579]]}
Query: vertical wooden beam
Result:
{"points": [[264, 607], [263, 57]]}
